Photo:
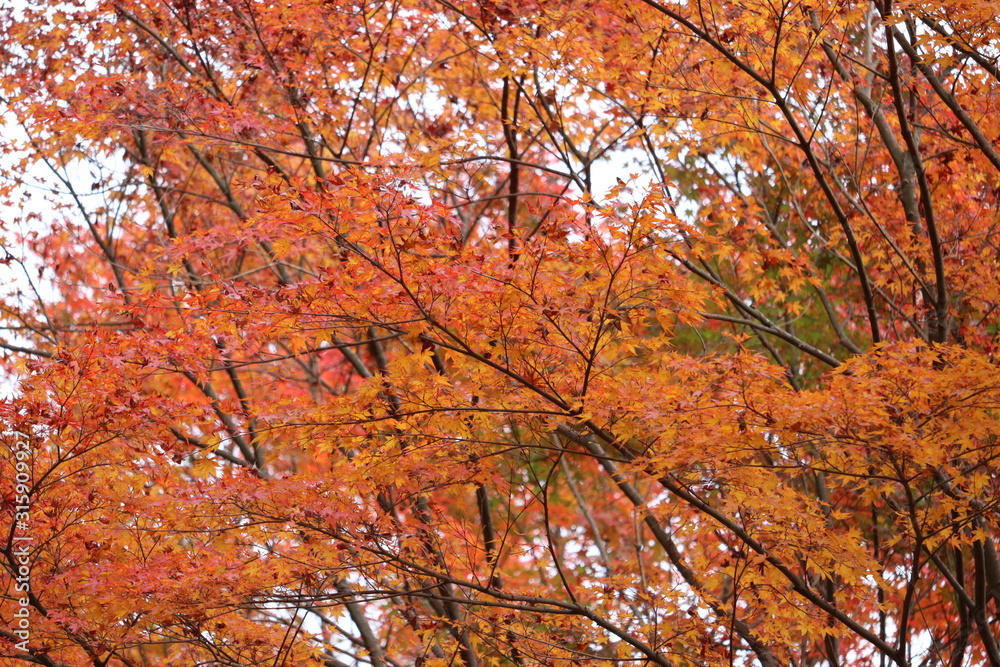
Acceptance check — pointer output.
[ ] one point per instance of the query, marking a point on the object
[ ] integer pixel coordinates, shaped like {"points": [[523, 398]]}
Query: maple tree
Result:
{"points": [[334, 348]]}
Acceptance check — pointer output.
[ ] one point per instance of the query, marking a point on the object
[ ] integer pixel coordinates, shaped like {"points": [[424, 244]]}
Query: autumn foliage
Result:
{"points": [[485, 333]]}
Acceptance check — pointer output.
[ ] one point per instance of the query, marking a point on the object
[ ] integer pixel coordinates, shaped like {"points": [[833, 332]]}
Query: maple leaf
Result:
{"points": [[501, 333]]}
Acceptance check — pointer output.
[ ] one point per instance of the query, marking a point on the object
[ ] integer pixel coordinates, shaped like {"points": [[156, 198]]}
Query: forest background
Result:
{"points": [[342, 354]]}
